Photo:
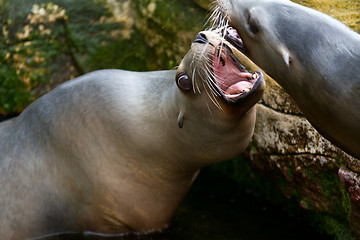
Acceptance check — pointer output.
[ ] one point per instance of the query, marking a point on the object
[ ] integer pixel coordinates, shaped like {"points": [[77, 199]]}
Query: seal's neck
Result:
{"points": [[147, 173]]}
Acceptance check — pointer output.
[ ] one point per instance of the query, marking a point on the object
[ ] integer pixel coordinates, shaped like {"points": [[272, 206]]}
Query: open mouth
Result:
{"points": [[233, 81]]}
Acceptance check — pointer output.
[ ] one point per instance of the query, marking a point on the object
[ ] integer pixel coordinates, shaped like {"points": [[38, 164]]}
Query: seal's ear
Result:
{"points": [[253, 21], [284, 53], [183, 81], [181, 119]]}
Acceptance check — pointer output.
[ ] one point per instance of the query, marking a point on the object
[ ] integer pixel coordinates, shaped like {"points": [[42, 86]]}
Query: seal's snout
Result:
{"points": [[201, 38]]}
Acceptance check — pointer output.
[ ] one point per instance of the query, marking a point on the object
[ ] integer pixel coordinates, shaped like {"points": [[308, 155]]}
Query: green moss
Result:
{"points": [[332, 226], [335, 192], [346, 201], [86, 38], [87, 34], [268, 183], [241, 171], [171, 15], [33, 47], [130, 54], [13, 93]]}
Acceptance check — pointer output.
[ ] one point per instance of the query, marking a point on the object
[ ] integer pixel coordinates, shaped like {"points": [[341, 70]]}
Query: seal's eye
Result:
{"points": [[253, 22], [183, 81]]}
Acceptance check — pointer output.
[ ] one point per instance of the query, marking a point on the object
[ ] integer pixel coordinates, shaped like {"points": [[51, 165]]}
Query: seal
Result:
{"points": [[114, 152], [313, 56]]}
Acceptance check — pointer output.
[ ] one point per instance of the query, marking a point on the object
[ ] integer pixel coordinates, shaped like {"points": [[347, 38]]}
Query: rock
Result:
{"points": [[304, 166], [289, 158], [44, 44], [287, 153], [35, 54], [351, 181]]}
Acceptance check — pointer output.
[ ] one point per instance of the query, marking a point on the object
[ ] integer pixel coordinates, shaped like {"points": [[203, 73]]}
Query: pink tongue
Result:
{"points": [[239, 88]]}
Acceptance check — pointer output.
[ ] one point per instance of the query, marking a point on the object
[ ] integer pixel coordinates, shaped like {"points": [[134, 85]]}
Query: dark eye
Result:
{"points": [[183, 81], [253, 22]]}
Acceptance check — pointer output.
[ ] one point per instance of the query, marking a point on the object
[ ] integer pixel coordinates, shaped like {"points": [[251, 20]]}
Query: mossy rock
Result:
{"points": [[33, 48], [292, 164], [284, 188], [169, 27], [75, 37]]}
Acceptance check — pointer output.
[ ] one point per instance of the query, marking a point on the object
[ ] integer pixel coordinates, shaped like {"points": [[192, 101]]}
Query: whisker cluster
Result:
{"points": [[218, 18], [202, 63], [202, 67]]}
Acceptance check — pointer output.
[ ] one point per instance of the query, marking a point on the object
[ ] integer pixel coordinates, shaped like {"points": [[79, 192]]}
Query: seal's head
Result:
{"points": [[212, 67], [261, 28], [313, 56], [285, 39]]}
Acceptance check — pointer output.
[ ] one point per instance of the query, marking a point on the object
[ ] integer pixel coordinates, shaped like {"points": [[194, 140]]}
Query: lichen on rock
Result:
{"points": [[31, 48]]}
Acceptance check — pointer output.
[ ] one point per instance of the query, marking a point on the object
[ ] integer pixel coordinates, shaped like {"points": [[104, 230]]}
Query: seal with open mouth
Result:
{"points": [[221, 74], [313, 56], [114, 152]]}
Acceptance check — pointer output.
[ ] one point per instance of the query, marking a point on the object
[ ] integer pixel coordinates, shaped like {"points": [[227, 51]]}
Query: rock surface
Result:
{"points": [[304, 165], [43, 43], [300, 164]]}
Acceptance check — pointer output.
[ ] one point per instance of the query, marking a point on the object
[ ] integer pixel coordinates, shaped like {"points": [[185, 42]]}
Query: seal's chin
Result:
{"points": [[233, 82]]}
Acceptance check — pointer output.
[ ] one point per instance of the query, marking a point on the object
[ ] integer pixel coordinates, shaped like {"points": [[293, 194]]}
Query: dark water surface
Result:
{"points": [[215, 209]]}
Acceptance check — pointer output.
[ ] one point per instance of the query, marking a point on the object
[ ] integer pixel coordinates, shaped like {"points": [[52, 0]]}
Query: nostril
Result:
{"points": [[203, 35], [200, 38]]}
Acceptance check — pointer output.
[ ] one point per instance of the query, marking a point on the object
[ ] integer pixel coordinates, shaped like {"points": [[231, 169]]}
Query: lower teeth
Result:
{"points": [[255, 75]]}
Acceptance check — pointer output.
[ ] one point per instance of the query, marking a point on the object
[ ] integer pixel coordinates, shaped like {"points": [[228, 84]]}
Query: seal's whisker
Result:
{"points": [[211, 79], [198, 89], [223, 18], [208, 107], [223, 35], [215, 9], [212, 18], [194, 64], [218, 17], [214, 92], [220, 20], [206, 77], [195, 85], [206, 60], [208, 63], [213, 75], [213, 5], [212, 96]]}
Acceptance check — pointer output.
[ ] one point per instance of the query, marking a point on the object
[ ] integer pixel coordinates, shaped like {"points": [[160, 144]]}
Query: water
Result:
{"points": [[215, 209]]}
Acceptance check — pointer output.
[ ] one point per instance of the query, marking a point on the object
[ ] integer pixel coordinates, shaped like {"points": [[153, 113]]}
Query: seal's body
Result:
{"points": [[313, 56], [115, 152]]}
